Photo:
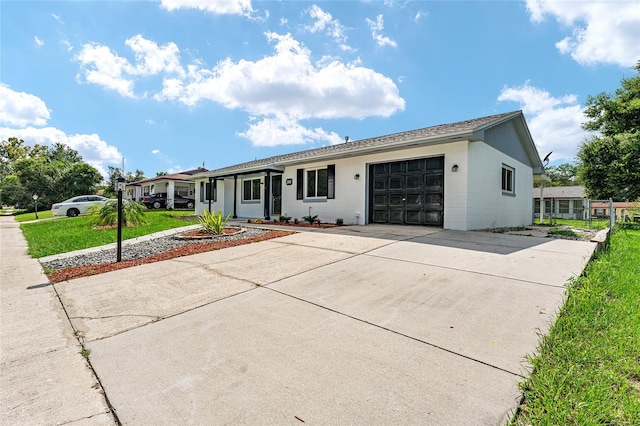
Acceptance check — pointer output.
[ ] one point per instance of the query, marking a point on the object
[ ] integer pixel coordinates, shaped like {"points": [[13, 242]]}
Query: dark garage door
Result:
{"points": [[409, 192]]}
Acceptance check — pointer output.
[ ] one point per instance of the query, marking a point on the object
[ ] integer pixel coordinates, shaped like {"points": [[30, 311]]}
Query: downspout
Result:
{"points": [[210, 192], [235, 195], [542, 203], [267, 195]]}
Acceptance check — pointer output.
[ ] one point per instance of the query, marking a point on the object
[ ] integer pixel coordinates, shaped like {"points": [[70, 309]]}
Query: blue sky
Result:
{"points": [[169, 85]]}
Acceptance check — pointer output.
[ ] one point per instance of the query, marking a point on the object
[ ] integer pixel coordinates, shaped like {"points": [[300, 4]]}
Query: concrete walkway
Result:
{"points": [[352, 325], [43, 377]]}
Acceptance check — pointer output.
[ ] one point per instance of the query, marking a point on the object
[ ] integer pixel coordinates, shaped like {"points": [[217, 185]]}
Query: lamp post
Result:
{"points": [[120, 187], [35, 200]]}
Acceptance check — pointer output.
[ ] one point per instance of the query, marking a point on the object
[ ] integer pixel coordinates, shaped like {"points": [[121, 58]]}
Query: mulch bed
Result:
{"points": [[89, 270], [299, 225]]}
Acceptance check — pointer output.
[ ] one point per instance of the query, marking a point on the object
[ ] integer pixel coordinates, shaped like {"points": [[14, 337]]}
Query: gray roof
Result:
{"points": [[437, 134], [560, 192]]}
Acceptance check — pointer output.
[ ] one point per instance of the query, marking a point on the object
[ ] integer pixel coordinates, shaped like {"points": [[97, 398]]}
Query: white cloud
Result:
{"points": [[68, 45], [105, 68], [289, 83], [152, 59], [155, 151], [601, 32], [324, 22], [421, 14], [38, 41], [21, 109], [57, 18], [150, 121], [217, 7], [280, 129], [554, 122], [376, 27]]}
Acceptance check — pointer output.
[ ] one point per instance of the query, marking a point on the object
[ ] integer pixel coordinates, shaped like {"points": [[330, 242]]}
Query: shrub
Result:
{"points": [[339, 221], [213, 223], [285, 219], [107, 214], [310, 218], [296, 221], [258, 220]]}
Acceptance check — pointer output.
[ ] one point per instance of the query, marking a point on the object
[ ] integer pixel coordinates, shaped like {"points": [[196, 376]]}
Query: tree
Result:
{"points": [[608, 163], [114, 173], [53, 173], [158, 174], [561, 175]]}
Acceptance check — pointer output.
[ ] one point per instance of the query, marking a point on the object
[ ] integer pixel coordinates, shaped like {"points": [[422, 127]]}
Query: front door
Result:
{"points": [[276, 195]]}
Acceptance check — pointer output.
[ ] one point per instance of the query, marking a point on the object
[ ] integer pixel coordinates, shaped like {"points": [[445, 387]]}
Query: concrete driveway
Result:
{"points": [[354, 325]]}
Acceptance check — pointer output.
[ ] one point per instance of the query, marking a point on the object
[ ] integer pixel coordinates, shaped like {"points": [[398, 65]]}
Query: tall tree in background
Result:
{"points": [[53, 173], [561, 175], [609, 163], [114, 173]]}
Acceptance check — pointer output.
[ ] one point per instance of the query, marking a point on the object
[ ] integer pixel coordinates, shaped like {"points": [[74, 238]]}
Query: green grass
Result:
{"points": [[595, 223], [23, 217], [588, 368], [50, 237]]}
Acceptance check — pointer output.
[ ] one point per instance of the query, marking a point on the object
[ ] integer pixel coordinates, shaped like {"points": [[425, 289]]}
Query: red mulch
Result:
{"points": [[85, 271], [301, 225]]}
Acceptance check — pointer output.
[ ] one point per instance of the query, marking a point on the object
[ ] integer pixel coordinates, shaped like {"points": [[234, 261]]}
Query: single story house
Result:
{"points": [[472, 174], [562, 202], [623, 210], [171, 184]]}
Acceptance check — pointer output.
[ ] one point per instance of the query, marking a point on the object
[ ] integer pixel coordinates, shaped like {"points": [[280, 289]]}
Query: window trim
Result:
{"points": [[302, 187], [251, 200], [508, 180]]}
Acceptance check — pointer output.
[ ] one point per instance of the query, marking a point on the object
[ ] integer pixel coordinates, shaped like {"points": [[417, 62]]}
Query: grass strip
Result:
{"points": [[51, 237], [587, 371]]}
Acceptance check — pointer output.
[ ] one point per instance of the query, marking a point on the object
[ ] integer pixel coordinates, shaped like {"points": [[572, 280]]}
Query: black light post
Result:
{"points": [[35, 200], [120, 186]]}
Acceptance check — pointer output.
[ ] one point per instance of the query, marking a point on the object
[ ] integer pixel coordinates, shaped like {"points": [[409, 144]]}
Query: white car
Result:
{"points": [[77, 205]]}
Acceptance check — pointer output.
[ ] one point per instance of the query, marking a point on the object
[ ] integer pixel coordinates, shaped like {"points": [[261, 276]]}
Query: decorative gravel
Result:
{"points": [[144, 249]]}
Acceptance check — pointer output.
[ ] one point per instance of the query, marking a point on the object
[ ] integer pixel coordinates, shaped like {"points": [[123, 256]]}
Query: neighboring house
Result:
{"points": [[624, 211], [472, 174], [176, 183], [562, 202]]}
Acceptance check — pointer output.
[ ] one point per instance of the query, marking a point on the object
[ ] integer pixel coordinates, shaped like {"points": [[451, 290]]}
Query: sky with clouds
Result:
{"points": [[171, 85]]}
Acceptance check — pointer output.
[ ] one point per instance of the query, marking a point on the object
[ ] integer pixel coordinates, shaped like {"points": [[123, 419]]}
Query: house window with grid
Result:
{"points": [[251, 190], [208, 191], [508, 180], [563, 206], [317, 184]]}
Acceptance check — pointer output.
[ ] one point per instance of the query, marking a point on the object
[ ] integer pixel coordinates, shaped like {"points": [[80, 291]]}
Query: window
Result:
{"points": [[508, 174], [316, 183], [181, 190], [145, 190], [251, 190], [563, 206], [208, 191]]}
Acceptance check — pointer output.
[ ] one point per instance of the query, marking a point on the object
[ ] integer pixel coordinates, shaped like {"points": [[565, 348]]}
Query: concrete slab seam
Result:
{"points": [[471, 272], [396, 332], [77, 334]]}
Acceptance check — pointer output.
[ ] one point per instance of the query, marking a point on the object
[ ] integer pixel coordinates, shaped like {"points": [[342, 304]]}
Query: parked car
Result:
{"points": [[77, 205], [159, 200]]}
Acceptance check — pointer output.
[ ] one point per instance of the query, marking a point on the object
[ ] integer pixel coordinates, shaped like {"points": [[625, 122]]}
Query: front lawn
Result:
{"points": [[580, 224], [588, 368], [51, 237], [24, 217]]}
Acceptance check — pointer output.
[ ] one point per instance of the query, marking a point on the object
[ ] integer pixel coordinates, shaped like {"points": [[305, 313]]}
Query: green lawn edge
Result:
{"points": [[587, 371], [51, 237]]}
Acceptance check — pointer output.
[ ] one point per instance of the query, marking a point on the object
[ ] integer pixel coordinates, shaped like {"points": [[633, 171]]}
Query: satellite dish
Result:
{"points": [[546, 159]]}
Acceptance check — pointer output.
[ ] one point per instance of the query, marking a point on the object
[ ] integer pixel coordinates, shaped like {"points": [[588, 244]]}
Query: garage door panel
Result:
{"points": [[396, 215], [407, 192]]}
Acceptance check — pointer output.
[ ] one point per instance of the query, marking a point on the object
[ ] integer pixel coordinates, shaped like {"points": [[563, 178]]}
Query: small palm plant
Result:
{"points": [[107, 214], [213, 223]]}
